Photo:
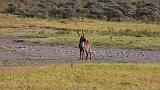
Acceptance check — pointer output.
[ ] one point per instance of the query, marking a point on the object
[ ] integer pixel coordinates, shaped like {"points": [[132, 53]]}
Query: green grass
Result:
{"points": [[10, 21], [83, 77], [132, 35], [98, 39]]}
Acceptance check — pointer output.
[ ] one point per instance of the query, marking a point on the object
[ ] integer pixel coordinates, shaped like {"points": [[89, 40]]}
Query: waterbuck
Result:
{"points": [[84, 46]]}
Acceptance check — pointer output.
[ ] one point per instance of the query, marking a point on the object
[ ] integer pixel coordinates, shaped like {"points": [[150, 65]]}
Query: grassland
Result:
{"points": [[132, 35], [82, 77], [11, 21]]}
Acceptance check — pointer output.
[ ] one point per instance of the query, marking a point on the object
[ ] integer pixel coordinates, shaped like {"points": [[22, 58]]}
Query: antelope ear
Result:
{"points": [[82, 32], [78, 33]]}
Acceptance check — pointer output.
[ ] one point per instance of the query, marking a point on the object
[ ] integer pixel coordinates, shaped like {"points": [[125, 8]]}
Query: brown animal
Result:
{"points": [[84, 47]]}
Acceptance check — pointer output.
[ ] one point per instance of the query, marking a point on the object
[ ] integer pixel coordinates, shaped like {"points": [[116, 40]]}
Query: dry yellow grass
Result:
{"points": [[11, 21], [83, 77]]}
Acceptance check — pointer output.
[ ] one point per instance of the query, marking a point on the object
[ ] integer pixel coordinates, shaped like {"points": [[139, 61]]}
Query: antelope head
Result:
{"points": [[82, 37]]}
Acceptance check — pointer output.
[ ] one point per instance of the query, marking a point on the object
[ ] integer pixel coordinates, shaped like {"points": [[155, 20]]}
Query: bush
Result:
{"points": [[11, 9], [98, 9], [112, 13]]}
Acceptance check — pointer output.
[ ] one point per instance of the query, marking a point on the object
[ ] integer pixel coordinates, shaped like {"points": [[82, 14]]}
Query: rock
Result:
{"points": [[18, 40]]}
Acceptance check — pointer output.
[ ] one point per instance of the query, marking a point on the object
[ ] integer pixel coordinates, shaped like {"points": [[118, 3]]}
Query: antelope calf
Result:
{"points": [[84, 47]]}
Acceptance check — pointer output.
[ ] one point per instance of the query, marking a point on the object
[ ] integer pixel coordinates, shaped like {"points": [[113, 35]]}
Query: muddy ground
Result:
{"points": [[18, 53]]}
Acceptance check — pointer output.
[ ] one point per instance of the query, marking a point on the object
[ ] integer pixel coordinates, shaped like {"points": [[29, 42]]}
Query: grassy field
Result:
{"points": [[11, 21], [82, 77], [132, 35], [70, 38]]}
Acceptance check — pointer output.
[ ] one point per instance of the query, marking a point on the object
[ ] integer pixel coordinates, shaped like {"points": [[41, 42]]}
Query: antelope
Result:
{"points": [[84, 46]]}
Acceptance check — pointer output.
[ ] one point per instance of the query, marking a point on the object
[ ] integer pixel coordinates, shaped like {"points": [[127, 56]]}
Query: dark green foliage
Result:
{"points": [[97, 9], [11, 9]]}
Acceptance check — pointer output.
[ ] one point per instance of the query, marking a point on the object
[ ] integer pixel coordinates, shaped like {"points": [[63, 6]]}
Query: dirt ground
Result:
{"points": [[16, 53]]}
